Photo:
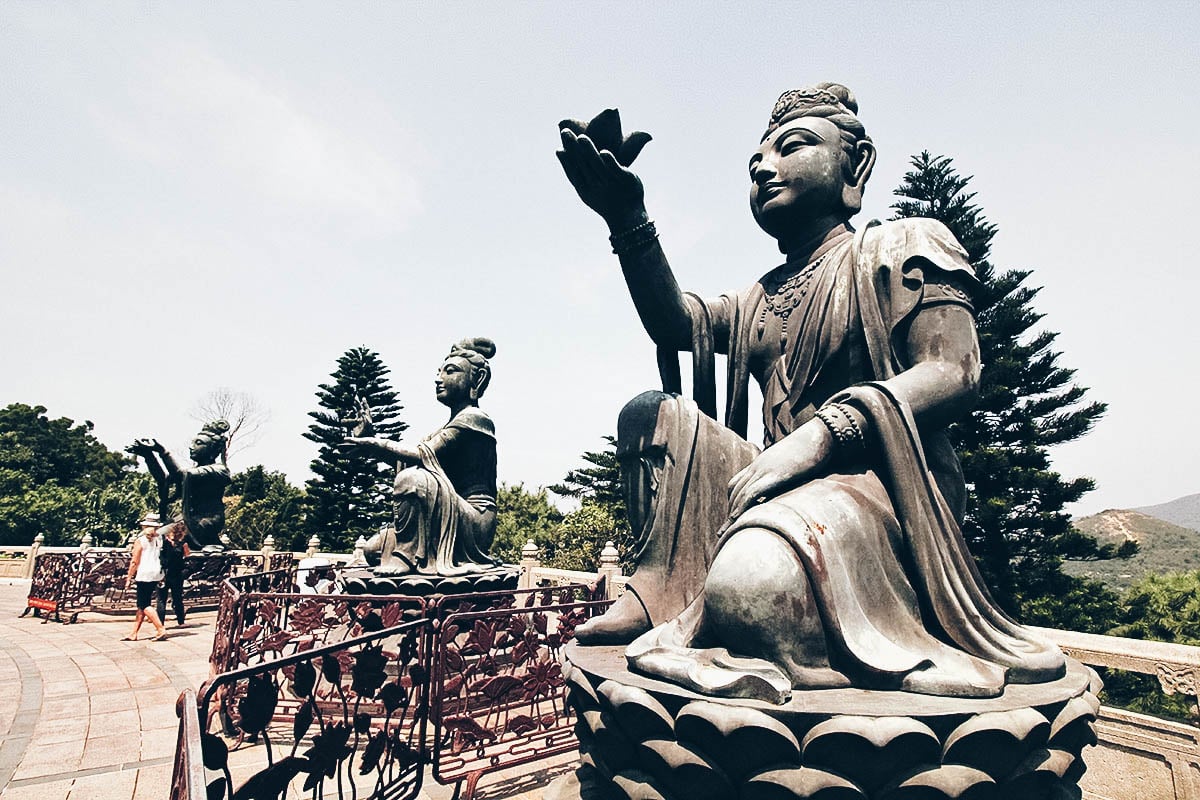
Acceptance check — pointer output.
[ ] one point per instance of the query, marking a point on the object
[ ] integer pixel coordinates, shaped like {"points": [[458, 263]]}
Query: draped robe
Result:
{"points": [[445, 507], [887, 578]]}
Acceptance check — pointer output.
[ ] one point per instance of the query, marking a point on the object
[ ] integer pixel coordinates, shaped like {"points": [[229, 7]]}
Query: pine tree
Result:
{"points": [[601, 516], [351, 493], [1015, 523], [600, 482]]}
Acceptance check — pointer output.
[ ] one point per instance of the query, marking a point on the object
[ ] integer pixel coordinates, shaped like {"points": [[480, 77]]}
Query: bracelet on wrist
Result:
{"points": [[635, 237], [842, 426]]}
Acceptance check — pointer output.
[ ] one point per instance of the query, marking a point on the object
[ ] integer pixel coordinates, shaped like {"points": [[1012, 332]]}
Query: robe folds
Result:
{"points": [[886, 579], [445, 507]]}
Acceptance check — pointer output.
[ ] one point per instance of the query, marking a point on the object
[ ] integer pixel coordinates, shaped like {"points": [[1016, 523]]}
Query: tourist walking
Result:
{"points": [[145, 569], [174, 550]]}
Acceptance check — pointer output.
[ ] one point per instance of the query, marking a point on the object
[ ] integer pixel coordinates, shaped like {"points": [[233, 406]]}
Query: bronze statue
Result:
{"points": [[445, 489], [200, 489], [833, 557]]}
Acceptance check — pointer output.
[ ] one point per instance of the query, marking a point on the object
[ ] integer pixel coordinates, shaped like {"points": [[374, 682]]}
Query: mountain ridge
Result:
{"points": [[1164, 545], [1183, 511]]}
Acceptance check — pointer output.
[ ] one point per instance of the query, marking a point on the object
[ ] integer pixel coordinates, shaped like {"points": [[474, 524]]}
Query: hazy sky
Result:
{"points": [[233, 194]]}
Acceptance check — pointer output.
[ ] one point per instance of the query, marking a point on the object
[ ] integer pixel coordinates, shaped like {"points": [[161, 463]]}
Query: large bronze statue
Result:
{"points": [[833, 557], [200, 489], [445, 489]]}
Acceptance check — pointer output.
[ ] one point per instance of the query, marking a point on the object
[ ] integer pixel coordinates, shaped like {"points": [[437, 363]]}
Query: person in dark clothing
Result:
{"points": [[174, 551]]}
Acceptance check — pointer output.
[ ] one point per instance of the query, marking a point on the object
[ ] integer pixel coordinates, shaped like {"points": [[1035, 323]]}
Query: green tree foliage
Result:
{"points": [[1161, 608], [522, 515], [56, 449], [1015, 522], [111, 513], [351, 493], [261, 503], [581, 536], [602, 503], [600, 481], [57, 479]]}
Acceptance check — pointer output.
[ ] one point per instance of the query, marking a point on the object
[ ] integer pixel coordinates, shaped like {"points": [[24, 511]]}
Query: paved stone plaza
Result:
{"points": [[84, 715]]}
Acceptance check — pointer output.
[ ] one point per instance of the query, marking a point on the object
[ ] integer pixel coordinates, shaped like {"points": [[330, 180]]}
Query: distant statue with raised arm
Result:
{"points": [[200, 489], [445, 489]]}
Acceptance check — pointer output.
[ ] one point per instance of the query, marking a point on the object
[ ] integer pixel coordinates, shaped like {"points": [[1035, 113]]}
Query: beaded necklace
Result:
{"points": [[783, 293]]}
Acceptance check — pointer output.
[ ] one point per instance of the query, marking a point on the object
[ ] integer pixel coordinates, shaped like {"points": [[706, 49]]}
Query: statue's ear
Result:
{"points": [[862, 161], [478, 378]]}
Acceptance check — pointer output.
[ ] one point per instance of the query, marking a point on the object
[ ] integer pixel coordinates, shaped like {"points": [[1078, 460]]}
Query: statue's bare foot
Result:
{"points": [[624, 621], [395, 566]]}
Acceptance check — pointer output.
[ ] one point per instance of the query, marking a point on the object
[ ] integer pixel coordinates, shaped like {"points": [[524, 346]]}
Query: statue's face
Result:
{"points": [[453, 383], [202, 451], [797, 175]]}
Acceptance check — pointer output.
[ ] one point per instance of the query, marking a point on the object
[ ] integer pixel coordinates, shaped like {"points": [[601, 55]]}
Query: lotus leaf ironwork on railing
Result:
{"points": [[347, 717], [72, 582], [498, 697], [468, 683], [265, 616]]}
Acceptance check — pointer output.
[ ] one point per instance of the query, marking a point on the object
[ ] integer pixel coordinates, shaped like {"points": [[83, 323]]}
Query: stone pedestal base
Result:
{"points": [[368, 581], [641, 738]]}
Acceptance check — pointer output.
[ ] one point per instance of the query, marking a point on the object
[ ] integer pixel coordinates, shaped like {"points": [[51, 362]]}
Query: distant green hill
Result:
{"points": [[1164, 547]]}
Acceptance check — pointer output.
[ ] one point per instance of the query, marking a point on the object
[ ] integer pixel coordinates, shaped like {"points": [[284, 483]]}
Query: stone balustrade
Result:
{"points": [[533, 574], [1140, 755]]}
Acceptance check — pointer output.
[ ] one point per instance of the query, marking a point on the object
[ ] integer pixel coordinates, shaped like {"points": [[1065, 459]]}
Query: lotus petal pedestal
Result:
{"points": [[641, 738]]}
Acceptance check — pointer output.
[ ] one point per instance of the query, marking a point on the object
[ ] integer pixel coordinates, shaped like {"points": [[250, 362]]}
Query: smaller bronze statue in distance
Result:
{"points": [[445, 489], [200, 489]]}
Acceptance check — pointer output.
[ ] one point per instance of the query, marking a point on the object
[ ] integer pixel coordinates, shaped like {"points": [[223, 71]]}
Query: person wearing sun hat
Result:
{"points": [[145, 568]]}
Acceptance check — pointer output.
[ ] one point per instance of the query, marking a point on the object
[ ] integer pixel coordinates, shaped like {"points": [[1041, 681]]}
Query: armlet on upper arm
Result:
{"points": [[945, 288]]}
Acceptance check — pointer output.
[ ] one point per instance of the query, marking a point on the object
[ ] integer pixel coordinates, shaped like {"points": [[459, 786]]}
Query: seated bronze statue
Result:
{"points": [[445, 490], [832, 557], [200, 489]]}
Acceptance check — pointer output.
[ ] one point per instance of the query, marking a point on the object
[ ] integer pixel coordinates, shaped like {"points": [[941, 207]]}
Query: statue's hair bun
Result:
{"points": [[484, 346], [842, 93], [218, 426]]}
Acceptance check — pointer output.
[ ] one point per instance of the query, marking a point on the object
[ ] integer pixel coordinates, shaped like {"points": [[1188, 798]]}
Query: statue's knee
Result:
{"points": [[752, 575], [639, 418], [374, 544], [639, 455], [413, 480]]}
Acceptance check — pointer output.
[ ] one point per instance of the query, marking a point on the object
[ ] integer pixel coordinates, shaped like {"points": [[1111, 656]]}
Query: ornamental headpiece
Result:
{"points": [[821, 100]]}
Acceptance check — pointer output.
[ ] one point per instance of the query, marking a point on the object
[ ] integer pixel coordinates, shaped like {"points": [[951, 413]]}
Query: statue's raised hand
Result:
{"points": [[356, 445], [596, 158], [362, 425], [144, 446]]}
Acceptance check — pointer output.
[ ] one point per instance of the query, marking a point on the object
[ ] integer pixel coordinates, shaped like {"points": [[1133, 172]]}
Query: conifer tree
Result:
{"points": [[1015, 523], [600, 481], [351, 493], [601, 516]]}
